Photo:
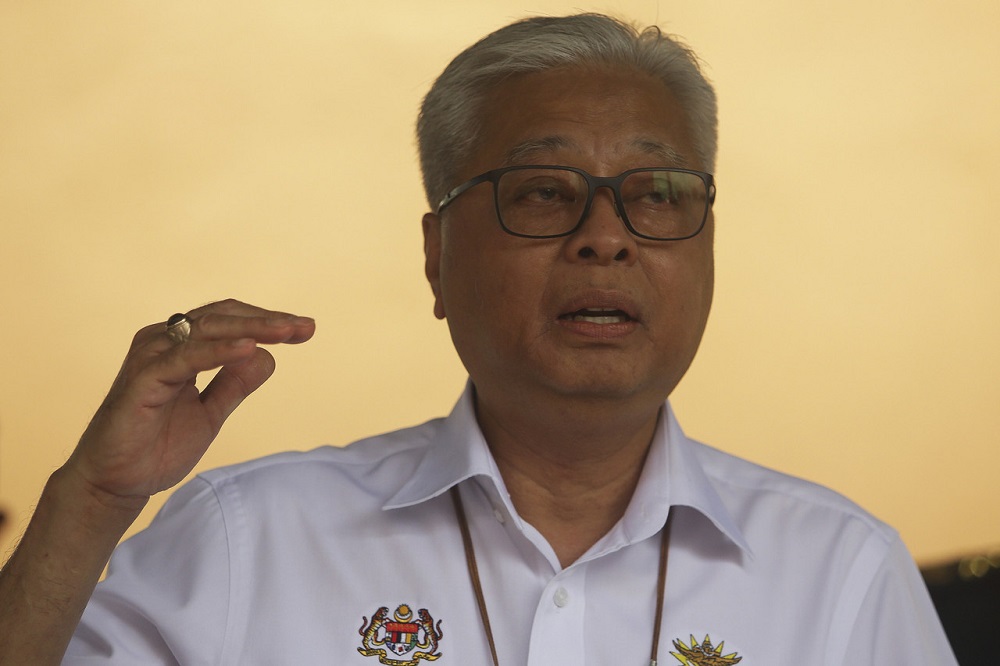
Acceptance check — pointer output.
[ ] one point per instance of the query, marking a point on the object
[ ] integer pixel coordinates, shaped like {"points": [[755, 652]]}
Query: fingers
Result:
{"points": [[234, 383], [222, 334], [182, 362], [234, 320], [154, 425], [269, 328]]}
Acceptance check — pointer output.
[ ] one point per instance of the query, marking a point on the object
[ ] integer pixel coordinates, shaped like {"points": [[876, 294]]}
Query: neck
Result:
{"points": [[571, 474]]}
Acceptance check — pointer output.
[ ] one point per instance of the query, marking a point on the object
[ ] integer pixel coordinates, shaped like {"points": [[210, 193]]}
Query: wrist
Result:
{"points": [[93, 509], [46, 583]]}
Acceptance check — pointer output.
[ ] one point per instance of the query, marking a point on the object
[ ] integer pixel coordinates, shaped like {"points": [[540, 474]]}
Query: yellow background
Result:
{"points": [[158, 155]]}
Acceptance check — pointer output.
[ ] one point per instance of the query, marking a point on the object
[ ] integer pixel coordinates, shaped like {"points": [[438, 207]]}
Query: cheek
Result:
{"points": [[697, 263], [469, 281], [492, 289], [686, 285], [706, 281]]}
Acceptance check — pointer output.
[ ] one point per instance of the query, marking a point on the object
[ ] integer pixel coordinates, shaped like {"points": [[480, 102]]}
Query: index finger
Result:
{"points": [[234, 320]]}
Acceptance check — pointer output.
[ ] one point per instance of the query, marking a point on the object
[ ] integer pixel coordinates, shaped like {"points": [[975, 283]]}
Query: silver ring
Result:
{"points": [[179, 328]]}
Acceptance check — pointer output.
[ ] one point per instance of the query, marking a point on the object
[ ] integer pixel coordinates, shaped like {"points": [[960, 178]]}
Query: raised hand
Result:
{"points": [[151, 430], [154, 425]]}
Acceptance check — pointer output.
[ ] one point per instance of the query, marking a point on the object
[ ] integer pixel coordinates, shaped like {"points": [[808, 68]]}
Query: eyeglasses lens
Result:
{"points": [[550, 202], [541, 202], [664, 204]]}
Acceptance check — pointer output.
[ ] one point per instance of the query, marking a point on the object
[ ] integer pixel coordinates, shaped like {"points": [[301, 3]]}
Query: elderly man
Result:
{"points": [[568, 162]]}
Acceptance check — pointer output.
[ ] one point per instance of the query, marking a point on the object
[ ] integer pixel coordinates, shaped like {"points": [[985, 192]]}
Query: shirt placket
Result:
{"points": [[557, 635]]}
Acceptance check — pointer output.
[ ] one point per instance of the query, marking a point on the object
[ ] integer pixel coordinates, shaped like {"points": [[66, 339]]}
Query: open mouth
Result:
{"points": [[598, 316]]}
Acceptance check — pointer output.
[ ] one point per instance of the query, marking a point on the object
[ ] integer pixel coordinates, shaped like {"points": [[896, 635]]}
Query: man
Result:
{"points": [[568, 163]]}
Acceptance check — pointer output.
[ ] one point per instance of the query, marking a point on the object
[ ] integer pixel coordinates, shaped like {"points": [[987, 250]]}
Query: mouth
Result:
{"points": [[598, 316]]}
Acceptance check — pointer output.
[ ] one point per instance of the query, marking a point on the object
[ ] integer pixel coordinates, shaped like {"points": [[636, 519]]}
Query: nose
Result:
{"points": [[602, 237]]}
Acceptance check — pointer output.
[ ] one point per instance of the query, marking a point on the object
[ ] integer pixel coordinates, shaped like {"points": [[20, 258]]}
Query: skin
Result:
{"points": [[148, 434], [568, 408]]}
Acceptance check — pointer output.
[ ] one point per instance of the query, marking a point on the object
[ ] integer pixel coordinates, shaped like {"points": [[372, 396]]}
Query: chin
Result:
{"points": [[616, 389]]}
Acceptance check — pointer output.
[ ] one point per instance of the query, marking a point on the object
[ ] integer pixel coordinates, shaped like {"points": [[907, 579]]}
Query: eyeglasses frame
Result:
{"points": [[594, 183]]}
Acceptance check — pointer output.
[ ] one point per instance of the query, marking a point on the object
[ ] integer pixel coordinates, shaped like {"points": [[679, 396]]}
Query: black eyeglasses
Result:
{"points": [[551, 201]]}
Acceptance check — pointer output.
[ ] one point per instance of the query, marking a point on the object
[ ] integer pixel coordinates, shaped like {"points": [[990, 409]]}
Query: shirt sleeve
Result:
{"points": [[166, 597], [896, 621]]}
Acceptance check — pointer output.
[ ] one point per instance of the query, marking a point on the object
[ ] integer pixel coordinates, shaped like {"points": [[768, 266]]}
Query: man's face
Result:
{"points": [[599, 314]]}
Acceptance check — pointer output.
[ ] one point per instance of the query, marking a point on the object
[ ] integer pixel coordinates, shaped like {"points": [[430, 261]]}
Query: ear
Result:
{"points": [[432, 259]]}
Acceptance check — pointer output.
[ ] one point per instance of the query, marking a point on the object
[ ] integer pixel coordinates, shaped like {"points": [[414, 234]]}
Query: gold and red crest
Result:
{"points": [[703, 654], [400, 640]]}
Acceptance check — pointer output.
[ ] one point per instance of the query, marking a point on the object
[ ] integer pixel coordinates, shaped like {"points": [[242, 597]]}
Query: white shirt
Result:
{"points": [[288, 559]]}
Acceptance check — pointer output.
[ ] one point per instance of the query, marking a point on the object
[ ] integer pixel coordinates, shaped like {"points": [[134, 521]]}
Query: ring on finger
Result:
{"points": [[179, 328]]}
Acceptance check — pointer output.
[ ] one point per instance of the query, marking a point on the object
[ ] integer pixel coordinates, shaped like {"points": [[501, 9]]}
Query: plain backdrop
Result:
{"points": [[155, 156]]}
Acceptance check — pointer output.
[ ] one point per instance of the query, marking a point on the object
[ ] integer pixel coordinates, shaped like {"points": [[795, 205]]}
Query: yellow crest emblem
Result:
{"points": [[703, 654]]}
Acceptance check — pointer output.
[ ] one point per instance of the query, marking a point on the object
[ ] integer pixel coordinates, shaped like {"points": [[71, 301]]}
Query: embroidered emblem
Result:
{"points": [[704, 654], [393, 639]]}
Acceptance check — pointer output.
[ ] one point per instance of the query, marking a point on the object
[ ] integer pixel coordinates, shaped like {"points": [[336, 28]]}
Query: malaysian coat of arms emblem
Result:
{"points": [[400, 640]]}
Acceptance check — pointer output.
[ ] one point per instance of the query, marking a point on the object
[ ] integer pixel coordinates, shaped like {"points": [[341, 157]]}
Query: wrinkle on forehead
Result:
{"points": [[536, 150]]}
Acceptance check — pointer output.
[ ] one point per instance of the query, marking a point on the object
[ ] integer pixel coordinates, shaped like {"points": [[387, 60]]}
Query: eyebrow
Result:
{"points": [[526, 150], [666, 153]]}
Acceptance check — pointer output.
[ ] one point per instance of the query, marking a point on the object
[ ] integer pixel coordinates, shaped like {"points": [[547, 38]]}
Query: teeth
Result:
{"points": [[604, 319], [599, 316]]}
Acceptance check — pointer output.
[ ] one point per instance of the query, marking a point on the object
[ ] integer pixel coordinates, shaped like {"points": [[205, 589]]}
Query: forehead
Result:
{"points": [[599, 116]]}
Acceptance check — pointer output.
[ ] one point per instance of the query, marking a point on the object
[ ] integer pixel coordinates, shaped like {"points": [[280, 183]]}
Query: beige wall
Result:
{"points": [[155, 156]]}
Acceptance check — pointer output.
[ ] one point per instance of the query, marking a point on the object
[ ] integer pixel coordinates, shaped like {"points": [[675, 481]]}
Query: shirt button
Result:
{"points": [[498, 514], [561, 597]]}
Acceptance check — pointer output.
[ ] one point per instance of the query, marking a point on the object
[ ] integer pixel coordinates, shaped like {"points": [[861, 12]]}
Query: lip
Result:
{"points": [[599, 304]]}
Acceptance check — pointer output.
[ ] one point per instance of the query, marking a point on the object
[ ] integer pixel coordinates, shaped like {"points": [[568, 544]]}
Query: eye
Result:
{"points": [[651, 188], [657, 189], [542, 193], [530, 187], [659, 197]]}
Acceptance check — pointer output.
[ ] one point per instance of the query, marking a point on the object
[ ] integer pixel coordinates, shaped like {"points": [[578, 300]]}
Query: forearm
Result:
{"points": [[46, 584], [151, 430]]}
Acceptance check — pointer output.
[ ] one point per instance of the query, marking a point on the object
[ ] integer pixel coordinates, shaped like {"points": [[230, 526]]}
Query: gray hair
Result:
{"points": [[449, 120]]}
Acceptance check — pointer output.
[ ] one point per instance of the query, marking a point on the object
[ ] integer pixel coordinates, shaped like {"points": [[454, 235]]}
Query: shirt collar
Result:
{"points": [[458, 453], [672, 476]]}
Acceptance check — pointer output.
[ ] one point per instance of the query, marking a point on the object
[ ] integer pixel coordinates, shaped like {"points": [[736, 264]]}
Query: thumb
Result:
{"points": [[233, 383]]}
